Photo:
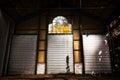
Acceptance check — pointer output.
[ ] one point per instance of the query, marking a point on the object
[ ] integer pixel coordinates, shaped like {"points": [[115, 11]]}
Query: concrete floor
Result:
{"points": [[59, 77]]}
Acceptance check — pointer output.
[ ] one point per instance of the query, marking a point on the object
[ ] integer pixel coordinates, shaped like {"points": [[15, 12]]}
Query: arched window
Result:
{"points": [[59, 25]]}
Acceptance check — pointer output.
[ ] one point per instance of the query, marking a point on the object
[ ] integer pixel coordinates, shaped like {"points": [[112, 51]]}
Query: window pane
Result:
{"points": [[59, 25], [77, 56], [76, 45], [42, 34], [76, 34], [42, 45], [41, 56]]}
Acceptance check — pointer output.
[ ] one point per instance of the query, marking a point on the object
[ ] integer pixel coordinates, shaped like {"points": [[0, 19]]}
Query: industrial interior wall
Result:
{"points": [[5, 32]]}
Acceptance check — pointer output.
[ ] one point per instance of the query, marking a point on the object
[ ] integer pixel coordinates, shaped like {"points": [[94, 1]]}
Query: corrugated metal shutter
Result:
{"points": [[23, 54], [96, 54], [59, 46]]}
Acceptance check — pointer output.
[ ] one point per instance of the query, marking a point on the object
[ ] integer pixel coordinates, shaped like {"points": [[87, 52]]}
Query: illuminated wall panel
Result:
{"points": [[76, 34], [41, 56], [77, 57], [96, 54], [59, 46], [23, 55], [40, 68], [78, 68], [76, 45], [42, 45]]}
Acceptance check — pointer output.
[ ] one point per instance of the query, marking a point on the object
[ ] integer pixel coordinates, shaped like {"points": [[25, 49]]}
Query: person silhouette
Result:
{"points": [[67, 62]]}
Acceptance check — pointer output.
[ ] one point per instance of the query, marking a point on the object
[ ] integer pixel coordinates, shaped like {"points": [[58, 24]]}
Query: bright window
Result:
{"points": [[59, 25]]}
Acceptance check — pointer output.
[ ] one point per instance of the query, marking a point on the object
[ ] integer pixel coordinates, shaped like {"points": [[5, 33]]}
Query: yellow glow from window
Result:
{"points": [[77, 56], [61, 29], [60, 25], [76, 45], [41, 57]]}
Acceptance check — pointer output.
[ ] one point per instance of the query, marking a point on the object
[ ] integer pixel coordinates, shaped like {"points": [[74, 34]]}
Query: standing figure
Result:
{"points": [[67, 62]]}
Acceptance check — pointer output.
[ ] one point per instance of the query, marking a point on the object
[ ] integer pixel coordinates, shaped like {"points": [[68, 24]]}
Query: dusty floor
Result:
{"points": [[59, 77]]}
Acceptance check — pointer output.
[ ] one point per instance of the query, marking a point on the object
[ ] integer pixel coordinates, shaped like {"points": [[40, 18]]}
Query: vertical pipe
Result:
{"points": [[47, 22], [72, 23], [37, 47], [82, 52], [80, 3]]}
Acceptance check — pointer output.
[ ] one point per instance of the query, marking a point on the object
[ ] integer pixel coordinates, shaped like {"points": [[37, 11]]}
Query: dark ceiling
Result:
{"points": [[19, 9]]}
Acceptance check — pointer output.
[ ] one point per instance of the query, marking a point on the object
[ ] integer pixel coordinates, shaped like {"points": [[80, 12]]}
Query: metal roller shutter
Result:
{"points": [[96, 54], [59, 46], [23, 55]]}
